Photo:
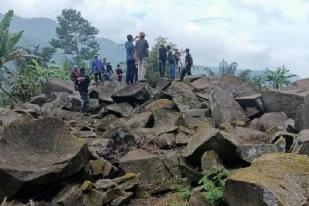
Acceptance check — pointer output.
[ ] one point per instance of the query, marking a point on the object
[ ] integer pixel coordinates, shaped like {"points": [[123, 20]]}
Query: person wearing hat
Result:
{"points": [[142, 52], [83, 82], [188, 65]]}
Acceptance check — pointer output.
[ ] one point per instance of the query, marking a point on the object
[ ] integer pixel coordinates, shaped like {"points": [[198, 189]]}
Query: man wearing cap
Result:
{"points": [[188, 65], [141, 48]]}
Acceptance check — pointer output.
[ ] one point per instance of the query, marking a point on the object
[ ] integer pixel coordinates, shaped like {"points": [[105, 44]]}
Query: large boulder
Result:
{"points": [[234, 86], [181, 88], [37, 153], [153, 173], [58, 85], [273, 179], [302, 143], [225, 109], [104, 92], [253, 104], [135, 93], [122, 109], [287, 101], [206, 139], [159, 104], [272, 122]]}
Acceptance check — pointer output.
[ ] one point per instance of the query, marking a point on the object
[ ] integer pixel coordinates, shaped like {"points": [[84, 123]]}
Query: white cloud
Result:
{"points": [[255, 33]]}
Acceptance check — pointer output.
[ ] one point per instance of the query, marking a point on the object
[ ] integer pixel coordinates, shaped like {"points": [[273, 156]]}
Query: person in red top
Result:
{"points": [[74, 76], [119, 72]]}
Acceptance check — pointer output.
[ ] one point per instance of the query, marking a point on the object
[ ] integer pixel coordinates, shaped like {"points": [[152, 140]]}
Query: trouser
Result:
{"points": [[120, 77], [97, 77], [130, 72], [162, 68], [84, 100], [142, 64], [172, 71], [135, 73], [186, 70], [106, 77]]}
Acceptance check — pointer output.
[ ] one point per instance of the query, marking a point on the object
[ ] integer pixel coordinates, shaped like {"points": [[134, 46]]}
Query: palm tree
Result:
{"points": [[278, 78], [8, 42]]}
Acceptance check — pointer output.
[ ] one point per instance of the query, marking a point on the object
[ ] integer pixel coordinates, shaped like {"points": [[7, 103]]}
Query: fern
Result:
{"points": [[213, 184]]}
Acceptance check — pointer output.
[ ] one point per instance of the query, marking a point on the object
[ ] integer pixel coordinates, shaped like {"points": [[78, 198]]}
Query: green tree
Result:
{"points": [[8, 50], [245, 75], [75, 36], [279, 77], [152, 73]]}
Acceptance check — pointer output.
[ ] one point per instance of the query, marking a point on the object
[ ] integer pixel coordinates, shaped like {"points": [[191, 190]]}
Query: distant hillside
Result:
{"points": [[42, 30]]}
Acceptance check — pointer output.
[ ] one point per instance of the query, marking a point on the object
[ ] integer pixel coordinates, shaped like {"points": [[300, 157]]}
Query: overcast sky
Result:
{"points": [[255, 33]]}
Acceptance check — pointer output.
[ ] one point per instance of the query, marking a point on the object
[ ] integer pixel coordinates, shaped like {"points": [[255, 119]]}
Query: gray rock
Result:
{"points": [[225, 109], [302, 143], [273, 179], [211, 162], [122, 109], [136, 93], [58, 85], [153, 173], [47, 153]]}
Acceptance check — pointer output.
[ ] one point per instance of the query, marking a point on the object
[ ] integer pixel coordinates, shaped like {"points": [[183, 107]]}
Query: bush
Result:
{"points": [[184, 191], [213, 184]]}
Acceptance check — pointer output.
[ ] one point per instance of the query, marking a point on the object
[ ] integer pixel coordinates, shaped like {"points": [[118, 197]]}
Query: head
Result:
{"points": [[118, 65], [104, 59], [75, 67], [96, 57], [130, 37], [168, 47], [142, 35], [187, 51], [82, 70]]}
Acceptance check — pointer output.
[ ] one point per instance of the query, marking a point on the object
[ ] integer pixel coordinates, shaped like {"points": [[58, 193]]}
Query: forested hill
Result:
{"points": [[41, 30]]}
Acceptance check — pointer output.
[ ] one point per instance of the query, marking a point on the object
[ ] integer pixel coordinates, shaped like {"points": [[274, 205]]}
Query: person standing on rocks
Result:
{"points": [[162, 60], [130, 52], [142, 52], [83, 82], [97, 69], [171, 63], [74, 76], [188, 65], [119, 73]]}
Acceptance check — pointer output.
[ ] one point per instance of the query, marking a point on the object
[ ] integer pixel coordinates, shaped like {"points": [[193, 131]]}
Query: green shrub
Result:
{"points": [[183, 190], [213, 184]]}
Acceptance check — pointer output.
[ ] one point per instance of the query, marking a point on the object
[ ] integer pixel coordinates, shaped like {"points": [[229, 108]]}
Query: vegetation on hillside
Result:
{"points": [[31, 69], [75, 36]]}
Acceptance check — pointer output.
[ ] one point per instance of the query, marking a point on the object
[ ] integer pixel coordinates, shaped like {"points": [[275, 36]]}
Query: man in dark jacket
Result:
{"points": [[162, 60], [188, 65], [130, 51], [83, 84], [171, 63]]}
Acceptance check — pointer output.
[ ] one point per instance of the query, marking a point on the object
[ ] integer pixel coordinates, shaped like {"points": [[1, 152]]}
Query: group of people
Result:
{"points": [[175, 62], [137, 52], [137, 55]]}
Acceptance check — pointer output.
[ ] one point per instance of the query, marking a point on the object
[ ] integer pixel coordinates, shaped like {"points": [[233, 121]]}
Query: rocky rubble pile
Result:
{"points": [[135, 143]]}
